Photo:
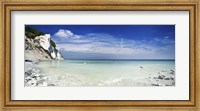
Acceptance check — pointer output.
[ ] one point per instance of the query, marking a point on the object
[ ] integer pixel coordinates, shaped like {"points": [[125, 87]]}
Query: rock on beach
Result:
{"points": [[33, 77]]}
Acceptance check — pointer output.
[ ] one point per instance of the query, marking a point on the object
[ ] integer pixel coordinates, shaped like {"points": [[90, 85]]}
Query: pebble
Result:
{"points": [[51, 84], [38, 78], [45, 78], [161, 77], [43, 84], [155, 84], [28, 78], [164, 78], [167, 78], [32, 78], [36, 75]]}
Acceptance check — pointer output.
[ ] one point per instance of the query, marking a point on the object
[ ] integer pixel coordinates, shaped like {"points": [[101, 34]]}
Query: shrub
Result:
{"points": [[53, 43], [32, 33]]}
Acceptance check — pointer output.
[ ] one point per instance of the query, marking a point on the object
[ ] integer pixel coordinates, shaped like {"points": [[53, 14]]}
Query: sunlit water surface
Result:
{"points": [[104, 72]]}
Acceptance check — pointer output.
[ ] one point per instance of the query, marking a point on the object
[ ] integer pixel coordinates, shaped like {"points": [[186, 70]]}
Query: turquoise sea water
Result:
{"points": [[101, 72]]}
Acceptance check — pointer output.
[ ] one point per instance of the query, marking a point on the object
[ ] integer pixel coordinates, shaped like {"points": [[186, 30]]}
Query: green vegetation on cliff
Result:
{"points": [[53, 44], [32, 33]]}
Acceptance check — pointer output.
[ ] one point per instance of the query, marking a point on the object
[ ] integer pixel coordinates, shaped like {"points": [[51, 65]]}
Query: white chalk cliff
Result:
{"points": [[40, 48], [44, 41]]}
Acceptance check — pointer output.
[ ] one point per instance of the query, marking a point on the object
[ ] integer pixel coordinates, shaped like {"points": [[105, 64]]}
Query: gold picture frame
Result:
{"points": [[119, 5]]}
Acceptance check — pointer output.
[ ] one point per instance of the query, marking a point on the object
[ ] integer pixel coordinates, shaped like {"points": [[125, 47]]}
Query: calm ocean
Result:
{"points": [[95, 72]]}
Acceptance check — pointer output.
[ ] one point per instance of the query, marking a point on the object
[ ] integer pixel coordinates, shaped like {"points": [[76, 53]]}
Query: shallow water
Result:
{"points": [[104, 72]]}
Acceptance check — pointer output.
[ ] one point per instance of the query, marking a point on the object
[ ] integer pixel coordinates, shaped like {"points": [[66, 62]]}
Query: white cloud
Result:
{"points": [[105, 48], [166, 37], [66, 34], [101, 43]]}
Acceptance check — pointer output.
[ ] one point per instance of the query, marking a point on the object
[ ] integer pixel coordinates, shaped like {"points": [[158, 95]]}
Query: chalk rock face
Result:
{"points": [[44, 41], [40, 48], [34, 52], [59, 56], [53, 55]]}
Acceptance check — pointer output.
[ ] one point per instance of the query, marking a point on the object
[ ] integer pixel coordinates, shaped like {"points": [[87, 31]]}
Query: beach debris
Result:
{"points": [[141, 67]]}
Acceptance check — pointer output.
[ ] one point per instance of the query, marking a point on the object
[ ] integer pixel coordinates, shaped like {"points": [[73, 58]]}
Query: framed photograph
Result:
{"points": [[99, 54]]}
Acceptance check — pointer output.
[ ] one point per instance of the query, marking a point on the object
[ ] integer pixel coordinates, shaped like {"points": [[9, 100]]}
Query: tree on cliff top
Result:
{"points": [[32, 33]]}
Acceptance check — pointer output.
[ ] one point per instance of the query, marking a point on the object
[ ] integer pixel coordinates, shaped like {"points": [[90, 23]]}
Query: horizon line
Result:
{"points": [[118, 59]]}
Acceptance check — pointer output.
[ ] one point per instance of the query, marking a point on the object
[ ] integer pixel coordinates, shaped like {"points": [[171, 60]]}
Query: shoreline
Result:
{"points": [[34, 77]]}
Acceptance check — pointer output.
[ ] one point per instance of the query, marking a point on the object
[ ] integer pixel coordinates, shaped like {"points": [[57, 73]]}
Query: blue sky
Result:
{"points": [[113, 41]]}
